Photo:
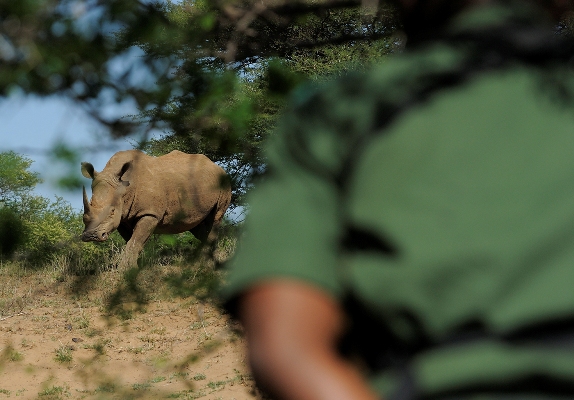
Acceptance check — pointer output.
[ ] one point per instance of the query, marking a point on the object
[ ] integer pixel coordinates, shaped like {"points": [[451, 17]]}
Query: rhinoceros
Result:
{"points": [[139, 195]]}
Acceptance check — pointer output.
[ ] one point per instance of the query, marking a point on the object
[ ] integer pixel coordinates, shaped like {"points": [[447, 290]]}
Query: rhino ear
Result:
{"points": [[88, 170], [125, 173]]}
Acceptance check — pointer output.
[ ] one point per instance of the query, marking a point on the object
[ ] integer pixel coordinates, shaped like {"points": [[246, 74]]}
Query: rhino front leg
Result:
{"points": [[142, 231]]}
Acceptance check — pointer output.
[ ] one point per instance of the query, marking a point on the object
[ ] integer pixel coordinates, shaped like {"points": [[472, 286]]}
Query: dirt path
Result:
{"points": [[55, 347]]}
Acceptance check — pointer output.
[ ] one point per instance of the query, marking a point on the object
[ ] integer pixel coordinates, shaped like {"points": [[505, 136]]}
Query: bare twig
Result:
{"points": [[10, 316]]}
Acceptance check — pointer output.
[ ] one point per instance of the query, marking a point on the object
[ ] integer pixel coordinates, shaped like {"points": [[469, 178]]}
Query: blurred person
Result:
{"points": [[414, 237]]}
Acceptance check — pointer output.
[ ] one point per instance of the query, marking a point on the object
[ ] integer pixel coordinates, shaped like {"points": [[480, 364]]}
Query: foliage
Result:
{"points": [[170, 249], [11, 232], [234, 89], [63, 354], [15, 179], [16, 183], [51, 232], [51, 228], [65, 46], [36, 229], [211, 74]]}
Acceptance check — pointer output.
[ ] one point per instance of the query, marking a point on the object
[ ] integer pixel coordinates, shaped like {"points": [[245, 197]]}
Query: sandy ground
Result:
{"points": [[58, 347]]}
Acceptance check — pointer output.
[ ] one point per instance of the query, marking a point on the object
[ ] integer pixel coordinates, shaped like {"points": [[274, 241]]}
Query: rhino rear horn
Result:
{"points": [[86, 202]]}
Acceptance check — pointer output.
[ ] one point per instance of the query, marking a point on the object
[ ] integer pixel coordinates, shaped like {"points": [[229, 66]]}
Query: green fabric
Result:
{"points": [[475, 187]]}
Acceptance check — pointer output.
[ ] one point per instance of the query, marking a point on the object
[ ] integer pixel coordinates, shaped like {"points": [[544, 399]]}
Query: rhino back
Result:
{"points": [[179, 189]]}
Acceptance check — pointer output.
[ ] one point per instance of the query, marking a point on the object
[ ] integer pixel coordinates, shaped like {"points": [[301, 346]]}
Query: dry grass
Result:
{"points": [[151, 332]]}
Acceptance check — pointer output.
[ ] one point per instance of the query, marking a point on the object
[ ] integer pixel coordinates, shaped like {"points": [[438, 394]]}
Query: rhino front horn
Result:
{"points": [[86, 202]]}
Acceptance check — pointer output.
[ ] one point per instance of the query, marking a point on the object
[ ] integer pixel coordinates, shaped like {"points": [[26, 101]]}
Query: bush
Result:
{"points": [[46, 237], [170, 249], [12, 232], [51, 229]]}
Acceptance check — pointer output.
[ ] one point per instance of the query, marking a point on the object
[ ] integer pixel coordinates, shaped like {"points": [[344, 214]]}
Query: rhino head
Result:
{"points": [[102, 215]]}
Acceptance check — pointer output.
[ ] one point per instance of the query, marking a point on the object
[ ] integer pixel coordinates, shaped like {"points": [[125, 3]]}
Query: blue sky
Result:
{"points": [[32, 125]]}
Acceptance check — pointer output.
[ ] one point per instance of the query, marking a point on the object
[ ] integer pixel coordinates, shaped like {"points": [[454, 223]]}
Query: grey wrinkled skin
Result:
{"points": [[140, 195]]}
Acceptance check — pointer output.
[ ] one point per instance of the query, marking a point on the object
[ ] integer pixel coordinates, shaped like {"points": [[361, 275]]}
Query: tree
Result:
{"points": [[16, 181], [67, 47], [213, 73], [236, 78]]}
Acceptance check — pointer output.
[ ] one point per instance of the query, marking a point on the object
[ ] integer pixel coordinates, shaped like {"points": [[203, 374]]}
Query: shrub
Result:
{"points": [[12, 233]]}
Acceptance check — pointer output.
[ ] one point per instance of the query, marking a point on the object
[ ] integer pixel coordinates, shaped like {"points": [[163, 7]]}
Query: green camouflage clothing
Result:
{"points": [[434, 197]]}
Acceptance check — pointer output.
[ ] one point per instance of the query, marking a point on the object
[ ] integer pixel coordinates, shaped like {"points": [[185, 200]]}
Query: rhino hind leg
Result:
{"points": [[203, 230], [207, 232], [200, 232]]}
